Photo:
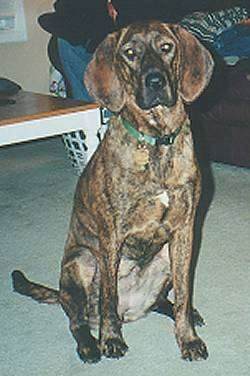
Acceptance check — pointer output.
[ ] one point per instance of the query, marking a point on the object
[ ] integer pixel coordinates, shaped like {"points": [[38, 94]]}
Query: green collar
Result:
{"points": [[167, 139]]}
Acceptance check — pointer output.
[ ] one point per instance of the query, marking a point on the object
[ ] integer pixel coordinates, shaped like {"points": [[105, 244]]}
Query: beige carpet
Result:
{"points": [[36, 189]]}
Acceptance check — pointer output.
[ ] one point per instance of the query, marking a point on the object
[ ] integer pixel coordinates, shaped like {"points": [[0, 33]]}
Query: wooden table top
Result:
{"points": [[29, 106]]}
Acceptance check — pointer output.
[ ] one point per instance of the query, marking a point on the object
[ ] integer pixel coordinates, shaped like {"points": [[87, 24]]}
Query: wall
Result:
{"points": [[27, 62]]}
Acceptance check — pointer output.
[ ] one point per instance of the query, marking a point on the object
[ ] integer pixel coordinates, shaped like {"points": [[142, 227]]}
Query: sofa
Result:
{"points": [[221, 117]]}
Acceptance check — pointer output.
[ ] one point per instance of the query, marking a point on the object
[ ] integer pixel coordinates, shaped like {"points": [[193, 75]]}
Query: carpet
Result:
{"points": [[36, 189]]}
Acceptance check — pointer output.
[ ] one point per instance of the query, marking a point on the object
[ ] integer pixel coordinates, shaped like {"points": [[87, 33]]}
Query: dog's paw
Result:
{"points": [[89, 353], [194, 350], [114, 348]]}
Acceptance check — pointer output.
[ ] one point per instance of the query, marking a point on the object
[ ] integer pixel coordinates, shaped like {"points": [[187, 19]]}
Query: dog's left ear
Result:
{"points": [[101, 78], [196, 65]]}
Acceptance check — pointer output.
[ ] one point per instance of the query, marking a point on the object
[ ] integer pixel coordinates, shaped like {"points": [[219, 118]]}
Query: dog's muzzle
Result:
{"points": [[156, 89], [155, 81]]}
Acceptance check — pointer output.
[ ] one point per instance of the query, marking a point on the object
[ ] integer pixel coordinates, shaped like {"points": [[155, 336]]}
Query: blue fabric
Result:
{"points": [[234, 41], [206, 26], [74, 60]]}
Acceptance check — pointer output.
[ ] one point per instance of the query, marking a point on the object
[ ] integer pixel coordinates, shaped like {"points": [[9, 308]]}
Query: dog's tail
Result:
{"points": [[40, 293]]}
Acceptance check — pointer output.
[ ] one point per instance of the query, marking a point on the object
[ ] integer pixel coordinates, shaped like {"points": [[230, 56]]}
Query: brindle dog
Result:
{"points": [[131, 232]]}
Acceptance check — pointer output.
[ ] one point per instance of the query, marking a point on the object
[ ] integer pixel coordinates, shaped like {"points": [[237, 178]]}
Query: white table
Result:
{"points": [[35, 116]]}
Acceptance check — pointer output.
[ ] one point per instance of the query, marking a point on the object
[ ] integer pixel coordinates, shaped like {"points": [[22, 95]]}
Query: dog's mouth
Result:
{"points": [[156, 90], [150, 101]]}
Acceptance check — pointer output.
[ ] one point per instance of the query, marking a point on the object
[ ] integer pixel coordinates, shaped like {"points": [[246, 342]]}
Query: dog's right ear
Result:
{"points": [[100, 77]]}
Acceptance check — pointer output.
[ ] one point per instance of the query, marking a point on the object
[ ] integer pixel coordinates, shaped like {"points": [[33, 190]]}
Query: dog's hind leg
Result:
{"points": [[166, 307], [76, 277]]}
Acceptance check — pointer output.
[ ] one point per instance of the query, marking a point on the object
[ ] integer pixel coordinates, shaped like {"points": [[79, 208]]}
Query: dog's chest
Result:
{"points": [[164, 198], [145, 227]]}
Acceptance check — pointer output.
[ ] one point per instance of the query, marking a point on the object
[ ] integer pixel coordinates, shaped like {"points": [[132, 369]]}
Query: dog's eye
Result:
{"points": [[166, 47], [130, 53]]}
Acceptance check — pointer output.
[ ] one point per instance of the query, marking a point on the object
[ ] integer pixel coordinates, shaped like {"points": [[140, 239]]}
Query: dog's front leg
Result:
{"points": [[182, 219], [111, 340], [191, 346]]}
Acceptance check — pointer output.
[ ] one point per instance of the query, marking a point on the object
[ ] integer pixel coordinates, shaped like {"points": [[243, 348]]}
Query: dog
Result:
{"points": [[130, 238]]}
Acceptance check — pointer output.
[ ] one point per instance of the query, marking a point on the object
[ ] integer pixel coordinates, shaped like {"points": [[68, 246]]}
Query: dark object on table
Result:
{"points": [[8, 87], [6, 101]]}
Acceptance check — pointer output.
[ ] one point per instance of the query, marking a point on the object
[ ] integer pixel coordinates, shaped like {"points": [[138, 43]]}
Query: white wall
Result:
{"points": [[27, 62]]}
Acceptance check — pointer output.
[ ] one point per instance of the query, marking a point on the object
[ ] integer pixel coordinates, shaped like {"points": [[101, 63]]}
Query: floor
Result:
{"points": [[36, 189]]}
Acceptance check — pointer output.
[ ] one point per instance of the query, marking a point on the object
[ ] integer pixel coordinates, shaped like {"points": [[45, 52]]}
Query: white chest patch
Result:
{"points": [[164, 198]]}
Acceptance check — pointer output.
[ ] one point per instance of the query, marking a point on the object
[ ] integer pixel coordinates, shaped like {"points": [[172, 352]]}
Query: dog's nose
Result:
{"points": [[155, 81]]}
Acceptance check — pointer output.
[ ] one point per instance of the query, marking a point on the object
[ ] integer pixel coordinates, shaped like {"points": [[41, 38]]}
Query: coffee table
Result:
{"points": [[35, 116]]}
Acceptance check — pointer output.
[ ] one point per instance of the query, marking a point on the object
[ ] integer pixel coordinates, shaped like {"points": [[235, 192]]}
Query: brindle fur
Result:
{"points": [[126, 247]]}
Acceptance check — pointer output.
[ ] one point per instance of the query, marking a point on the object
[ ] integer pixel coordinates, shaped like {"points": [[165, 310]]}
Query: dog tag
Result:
{"points": [[141, 157]]}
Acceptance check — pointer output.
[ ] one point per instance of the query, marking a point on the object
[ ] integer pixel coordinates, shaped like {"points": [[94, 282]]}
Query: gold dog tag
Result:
{"points": [[141, 157]]}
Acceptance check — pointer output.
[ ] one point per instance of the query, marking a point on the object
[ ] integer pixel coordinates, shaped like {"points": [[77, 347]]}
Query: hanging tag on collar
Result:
{"points": [[141, 157]]}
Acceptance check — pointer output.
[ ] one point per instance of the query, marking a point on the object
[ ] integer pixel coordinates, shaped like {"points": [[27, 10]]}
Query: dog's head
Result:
{"points": [[154, 64]]}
